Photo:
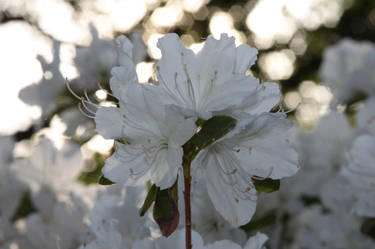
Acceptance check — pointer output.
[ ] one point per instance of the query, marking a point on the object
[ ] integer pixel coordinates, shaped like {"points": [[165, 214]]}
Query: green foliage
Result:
{"points": [[92, 177], [105, 181], [309, 200], [25, 207], [150, 198], [257, 224], [165, 211], [267, 185], [368, 227], [211, 130]]}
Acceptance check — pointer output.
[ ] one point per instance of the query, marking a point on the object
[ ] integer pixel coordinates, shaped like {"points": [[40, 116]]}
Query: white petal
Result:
{"points": [[44, 155], [256, 242], [180, 128], [176, 240], [142, 244], [125, 51], [127, 166], [122, 77], [245, 58], [144, 113], [265, 151], [109, 122], [267, 97], [216, 57], [223, 244], [171, 70], [229, 94], [166, 167], [235, 210]]}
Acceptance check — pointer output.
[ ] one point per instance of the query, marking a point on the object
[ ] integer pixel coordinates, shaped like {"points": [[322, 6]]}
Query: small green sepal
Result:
{"points": [[267, 185], [105, 181]]}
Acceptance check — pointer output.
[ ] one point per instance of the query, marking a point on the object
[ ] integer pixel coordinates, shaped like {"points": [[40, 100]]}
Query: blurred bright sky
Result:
{"points": [[269, 21]]}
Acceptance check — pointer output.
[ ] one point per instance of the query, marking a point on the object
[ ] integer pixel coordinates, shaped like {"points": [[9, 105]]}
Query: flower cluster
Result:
{"points": [[152, 122]]}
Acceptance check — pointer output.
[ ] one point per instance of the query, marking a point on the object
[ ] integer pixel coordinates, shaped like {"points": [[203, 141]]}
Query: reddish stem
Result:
{"points": [[187, 181]]}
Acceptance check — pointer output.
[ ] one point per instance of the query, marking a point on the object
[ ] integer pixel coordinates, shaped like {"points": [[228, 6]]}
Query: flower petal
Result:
{"points": [[125, 51], [223, 244], [127, 166], [166, 167], [171, 70], [264, 148], [109, 122], [121, 77], [125, 73], [245, 58], [267, 97], [181, 128], [220, 187], [256, 242], [144, 114], [230, 94]]}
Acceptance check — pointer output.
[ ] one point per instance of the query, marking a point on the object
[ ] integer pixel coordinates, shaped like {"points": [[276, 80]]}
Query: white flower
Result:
{"points": [[347, 69], [257, 147], [152, 134], [115, 220], [48, 166], [177, 240], [314, 228], [365, 117], [60, 226], [330, 139], [108, 120], [45, 92], [94, 60], [360, 172], [212, 80], [125, 73], [206, 220]]}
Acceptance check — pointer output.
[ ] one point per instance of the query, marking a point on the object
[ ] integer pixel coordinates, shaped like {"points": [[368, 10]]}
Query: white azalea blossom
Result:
{"points": [[152, 122], [314, 228], [330, 139], [94, 60], [44, 92], [256, 148], [153, 135], [213, 80], [50, 167], [57, 224], [115, 220], [177, 240], [206, 220], [365, 117], [360, 173], [347, 69], [11, 192]]}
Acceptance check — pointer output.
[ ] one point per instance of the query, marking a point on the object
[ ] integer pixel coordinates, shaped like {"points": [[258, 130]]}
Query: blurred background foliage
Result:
{"points": [[291, 36]]}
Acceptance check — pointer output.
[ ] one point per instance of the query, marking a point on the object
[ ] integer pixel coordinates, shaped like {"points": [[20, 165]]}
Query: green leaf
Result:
{"points": [[256, 224], [25, 207], [165, 210], [368, 227], [199, 122], [211, 130], [92, 177], [150, 198], [105, 181], [267, 185]]}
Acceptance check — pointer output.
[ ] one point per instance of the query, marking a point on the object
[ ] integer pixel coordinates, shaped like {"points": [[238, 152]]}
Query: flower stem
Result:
{"points": [[187, 181]]}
